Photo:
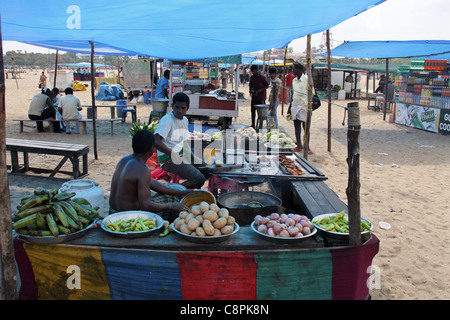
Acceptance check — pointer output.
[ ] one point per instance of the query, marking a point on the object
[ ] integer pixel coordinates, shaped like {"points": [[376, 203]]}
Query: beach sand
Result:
{"points": [[405, 176]]}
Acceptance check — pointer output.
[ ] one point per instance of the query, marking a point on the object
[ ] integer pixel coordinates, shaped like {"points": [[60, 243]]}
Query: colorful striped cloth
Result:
{"points": [[47, 272]]}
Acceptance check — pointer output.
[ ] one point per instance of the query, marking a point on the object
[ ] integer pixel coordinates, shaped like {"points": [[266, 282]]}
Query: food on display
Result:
{"points": [[290, 166], [132, 225], [249, 133], [283, 225], [205, 220], [217, 136], [200, 136], [49, 213], [339, 223], [276, 139], [144, 126]]}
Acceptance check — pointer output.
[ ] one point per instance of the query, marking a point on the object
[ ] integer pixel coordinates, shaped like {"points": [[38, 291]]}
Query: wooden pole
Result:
{"points": [[8, 264], [353, 188], [329, 89], [14, 75], [386, 83], [94, 107], [283, 97], [56, 69], [309, 106]]}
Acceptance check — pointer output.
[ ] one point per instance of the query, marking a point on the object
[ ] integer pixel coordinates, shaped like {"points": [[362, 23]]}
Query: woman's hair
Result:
{"points": [[182, 97], [143, 141]]}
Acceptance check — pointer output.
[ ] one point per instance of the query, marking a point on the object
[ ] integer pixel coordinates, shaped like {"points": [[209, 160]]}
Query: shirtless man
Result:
{"points": [[131, 183]]}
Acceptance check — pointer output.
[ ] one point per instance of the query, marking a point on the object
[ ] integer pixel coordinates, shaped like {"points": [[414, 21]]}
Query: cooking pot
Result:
{"points": [[245, 205]]}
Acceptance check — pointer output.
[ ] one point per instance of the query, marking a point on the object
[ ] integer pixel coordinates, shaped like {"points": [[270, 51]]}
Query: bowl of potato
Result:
{"points": [[205, 223]]}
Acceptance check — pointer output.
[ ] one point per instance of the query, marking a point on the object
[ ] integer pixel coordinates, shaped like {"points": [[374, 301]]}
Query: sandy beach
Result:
{"points": [[405, 174]]}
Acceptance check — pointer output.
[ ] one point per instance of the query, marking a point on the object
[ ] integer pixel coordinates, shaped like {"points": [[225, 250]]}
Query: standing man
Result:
{"points": [[41, 108], [162, 86], [275, 84], [70, 107], [42, 80], [174, 152], [132, 183], [258, 85], [299, 103], [223, 76], [288, 79]]}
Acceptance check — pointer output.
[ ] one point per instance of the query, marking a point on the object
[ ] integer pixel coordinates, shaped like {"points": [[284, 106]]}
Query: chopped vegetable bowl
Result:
{"points": [[132, 224], [337, 223]]}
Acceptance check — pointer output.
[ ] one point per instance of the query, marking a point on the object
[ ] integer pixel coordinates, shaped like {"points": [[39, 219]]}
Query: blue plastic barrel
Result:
{"points": [[119, 111]]}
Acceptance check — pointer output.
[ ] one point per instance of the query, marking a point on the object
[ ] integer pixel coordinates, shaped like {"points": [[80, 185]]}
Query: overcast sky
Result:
{"points": [[391, 20]]}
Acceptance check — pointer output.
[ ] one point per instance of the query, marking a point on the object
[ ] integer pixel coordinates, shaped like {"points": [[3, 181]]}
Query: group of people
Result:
{"points": [[131, 184], [49, 105], [297, 95]]}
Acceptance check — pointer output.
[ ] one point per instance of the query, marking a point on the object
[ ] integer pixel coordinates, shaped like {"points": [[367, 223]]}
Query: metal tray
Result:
{"points": [[279, 149], [321, 216], [206, 239], [59, 239], [282, 239], [125, 215], [285, 171]]}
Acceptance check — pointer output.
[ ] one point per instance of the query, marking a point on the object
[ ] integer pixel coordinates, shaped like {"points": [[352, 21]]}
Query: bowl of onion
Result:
{"points": [[283, 227]]}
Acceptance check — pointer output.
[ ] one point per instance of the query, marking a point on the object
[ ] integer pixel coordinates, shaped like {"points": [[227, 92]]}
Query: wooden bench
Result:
{"points": [[82, 122], [71, 152]]}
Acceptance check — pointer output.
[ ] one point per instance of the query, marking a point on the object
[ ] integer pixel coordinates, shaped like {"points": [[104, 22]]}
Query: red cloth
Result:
{"points": [[257, 82], [157, 173], [217, 275], [289, 78]]}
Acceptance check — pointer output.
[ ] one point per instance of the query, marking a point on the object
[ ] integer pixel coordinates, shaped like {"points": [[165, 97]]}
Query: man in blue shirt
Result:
{"points": [[162, 86]]}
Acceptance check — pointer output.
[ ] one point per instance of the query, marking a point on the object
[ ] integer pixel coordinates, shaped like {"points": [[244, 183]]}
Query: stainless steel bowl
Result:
{"points": [[59, 239], [282, 239], [206, 239], [126, 215]]}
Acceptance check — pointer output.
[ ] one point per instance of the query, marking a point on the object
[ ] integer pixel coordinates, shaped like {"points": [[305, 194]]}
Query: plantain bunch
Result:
{"points": [[144, 126], [52, 213]]}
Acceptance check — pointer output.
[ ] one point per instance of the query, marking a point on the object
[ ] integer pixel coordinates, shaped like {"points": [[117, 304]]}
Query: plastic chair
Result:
{"points": [[124, 115]]}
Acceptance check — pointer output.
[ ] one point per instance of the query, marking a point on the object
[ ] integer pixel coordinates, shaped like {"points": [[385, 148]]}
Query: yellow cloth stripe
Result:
{"points": [[56, 269]]}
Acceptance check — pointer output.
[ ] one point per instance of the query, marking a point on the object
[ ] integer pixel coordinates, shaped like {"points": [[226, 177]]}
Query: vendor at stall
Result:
{"points": [[162, 86], [171, 141], [131, 183]]}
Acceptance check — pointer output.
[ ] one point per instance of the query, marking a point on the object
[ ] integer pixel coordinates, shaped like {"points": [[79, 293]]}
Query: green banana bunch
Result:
{"points": [[50, 213], [138, 126]]}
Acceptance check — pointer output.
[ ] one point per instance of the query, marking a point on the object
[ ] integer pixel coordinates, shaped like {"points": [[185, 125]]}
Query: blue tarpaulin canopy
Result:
{"points": [[171, 29], [83, 64], [438, 49]]}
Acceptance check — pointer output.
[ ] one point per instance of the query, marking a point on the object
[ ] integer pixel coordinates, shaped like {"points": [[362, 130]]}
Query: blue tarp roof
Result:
{"points": [[438, 49], [171, 29], [83, 64]]}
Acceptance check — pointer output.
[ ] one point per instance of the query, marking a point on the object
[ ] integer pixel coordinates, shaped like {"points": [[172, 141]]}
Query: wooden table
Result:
{"points": [[71, 152], [373, 96], [244, 267]]}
